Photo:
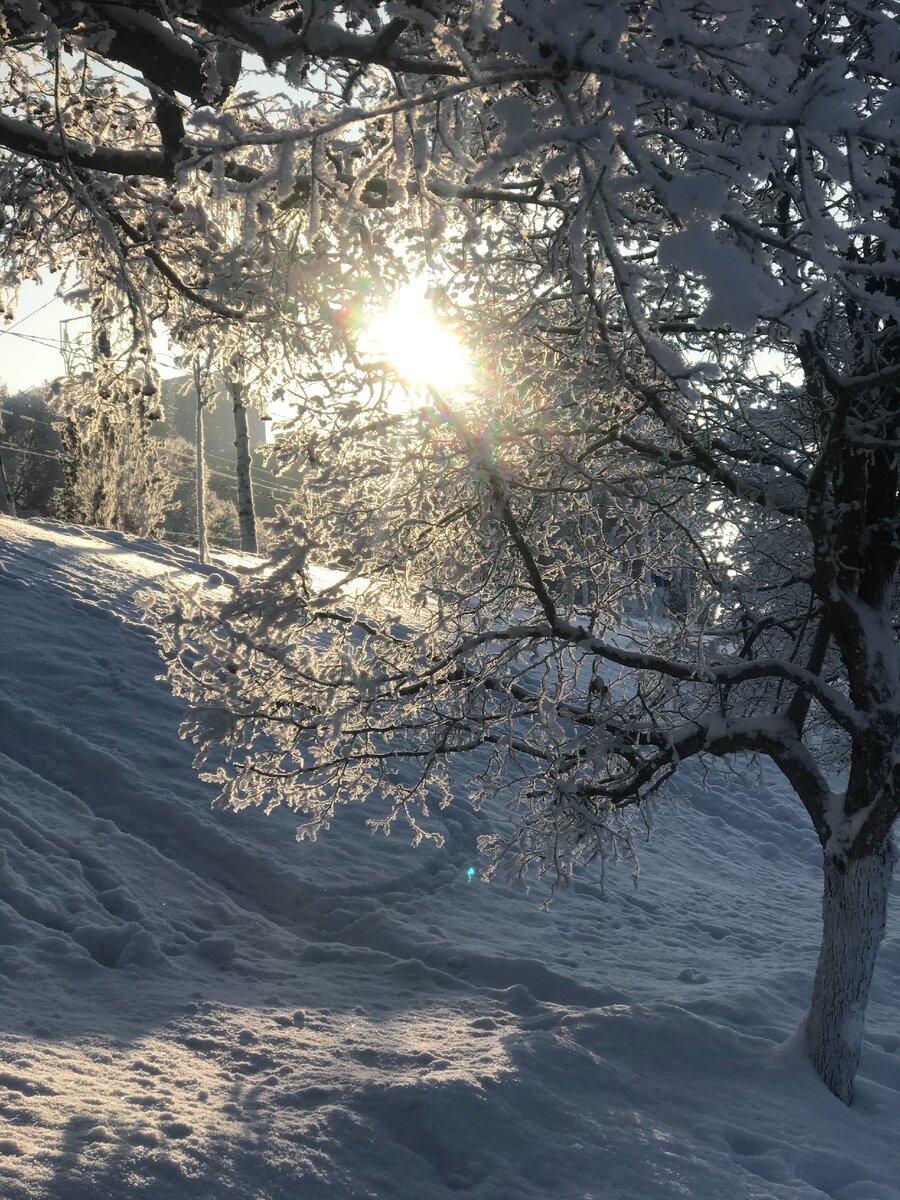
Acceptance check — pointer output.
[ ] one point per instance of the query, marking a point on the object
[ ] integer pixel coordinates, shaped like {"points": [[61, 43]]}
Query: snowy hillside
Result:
{"points": [[195, 1006]]}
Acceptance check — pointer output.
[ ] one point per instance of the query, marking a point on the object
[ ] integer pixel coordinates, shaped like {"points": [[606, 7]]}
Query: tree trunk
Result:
{"points": [[246, 512], [9, 500], [202, 548], [854, 910]]}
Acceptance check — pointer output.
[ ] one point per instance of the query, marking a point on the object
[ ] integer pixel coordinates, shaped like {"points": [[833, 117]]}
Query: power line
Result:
{"points": [[276, 493], [31, 337], [210, 471], [34, 453], [28, 316], [12, 412], [275, 479], [272, 479]]}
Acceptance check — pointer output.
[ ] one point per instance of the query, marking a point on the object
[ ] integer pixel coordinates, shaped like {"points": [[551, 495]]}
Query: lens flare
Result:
{"points": [[423, 352]]}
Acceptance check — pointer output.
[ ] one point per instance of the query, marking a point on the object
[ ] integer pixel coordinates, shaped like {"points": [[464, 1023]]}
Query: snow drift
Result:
{"points": [[197, 1006]]}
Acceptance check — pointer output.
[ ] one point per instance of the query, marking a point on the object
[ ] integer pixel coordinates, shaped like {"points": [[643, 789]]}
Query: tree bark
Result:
{"points": [[246, 511], [854, 910], [202, 548], [9, 500]]}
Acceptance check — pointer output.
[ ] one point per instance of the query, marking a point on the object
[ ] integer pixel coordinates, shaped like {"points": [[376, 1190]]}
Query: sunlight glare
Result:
{"points": [[421, 350]]}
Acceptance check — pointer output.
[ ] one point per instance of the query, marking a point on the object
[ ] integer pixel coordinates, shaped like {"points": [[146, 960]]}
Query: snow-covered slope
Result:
{"points": [[194, 1005]]}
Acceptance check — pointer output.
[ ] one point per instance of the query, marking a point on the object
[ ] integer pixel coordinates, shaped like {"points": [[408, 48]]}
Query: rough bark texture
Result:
{"points": [[854, 910], [246, 512]]}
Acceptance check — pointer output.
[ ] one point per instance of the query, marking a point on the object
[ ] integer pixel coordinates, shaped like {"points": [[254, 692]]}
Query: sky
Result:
{"points": [[30, 343], [30, 346]]}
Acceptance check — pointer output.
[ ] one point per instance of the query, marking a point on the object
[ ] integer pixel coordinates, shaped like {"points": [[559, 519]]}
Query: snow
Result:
{"points": [[697, 250], [197, 1006]]}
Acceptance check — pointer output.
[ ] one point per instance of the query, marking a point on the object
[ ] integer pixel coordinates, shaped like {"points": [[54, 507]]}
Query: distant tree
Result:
{"points": [[32, 448], [200, 373], [178, 460], [113, 476], [237, 390], [9, 500]]}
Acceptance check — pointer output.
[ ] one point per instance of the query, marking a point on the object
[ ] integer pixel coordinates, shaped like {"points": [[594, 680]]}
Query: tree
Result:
{"points": [[32, 447], [200, 376], [246, 510], [125, 140], [179, 462], [112, 473], [679, 228], [9, 500]]}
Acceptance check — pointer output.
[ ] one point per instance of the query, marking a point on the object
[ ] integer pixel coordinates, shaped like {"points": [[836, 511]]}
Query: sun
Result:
{"points": [[423, 352]]}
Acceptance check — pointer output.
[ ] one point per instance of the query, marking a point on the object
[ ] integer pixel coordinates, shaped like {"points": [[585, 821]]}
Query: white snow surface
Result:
{"points": [[194, 1005]]}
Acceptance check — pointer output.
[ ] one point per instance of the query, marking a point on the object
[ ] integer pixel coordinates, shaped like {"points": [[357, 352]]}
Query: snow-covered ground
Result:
{"points": [[194, 1005]]}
